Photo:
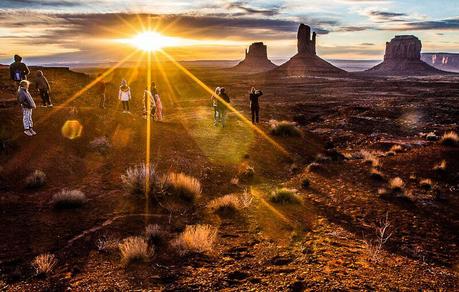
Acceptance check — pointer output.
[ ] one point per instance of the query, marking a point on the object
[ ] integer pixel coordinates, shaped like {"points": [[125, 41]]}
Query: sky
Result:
{"points": [[84, 31]]}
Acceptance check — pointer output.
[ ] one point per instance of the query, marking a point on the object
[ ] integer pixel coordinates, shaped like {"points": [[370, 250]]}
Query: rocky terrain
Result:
{"points": [[354, 135], [256, 60], [403, 57]]}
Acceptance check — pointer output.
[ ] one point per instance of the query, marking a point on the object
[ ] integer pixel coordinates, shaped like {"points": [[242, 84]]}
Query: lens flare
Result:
{"points": [[72, 129]]}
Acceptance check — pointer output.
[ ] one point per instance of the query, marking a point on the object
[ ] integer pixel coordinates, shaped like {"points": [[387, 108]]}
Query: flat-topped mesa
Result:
{"points": [[256, 59], [406, 47], [306, 44]]}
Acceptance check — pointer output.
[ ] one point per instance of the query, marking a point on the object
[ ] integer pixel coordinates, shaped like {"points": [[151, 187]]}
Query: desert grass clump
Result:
{"points": [[134, 180], [396, 185], [68, 199], [44, 263], [284, 196], [370, 158], [245, 171], [396, 148], [154, 233], [36, 179], [183, 187], [314, 167], [227, 204], [284, 129], [440, 167], [431, 136], [450, 139], [376, 174], [196, 238], [134, 249], [426, 184]]}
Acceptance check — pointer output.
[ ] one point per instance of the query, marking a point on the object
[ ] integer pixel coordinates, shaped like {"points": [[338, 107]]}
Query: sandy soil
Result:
{"points": [[324, 242]]}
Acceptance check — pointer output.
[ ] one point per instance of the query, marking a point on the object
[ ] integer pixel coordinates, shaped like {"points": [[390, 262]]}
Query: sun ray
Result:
{"points": [[230, 107]]}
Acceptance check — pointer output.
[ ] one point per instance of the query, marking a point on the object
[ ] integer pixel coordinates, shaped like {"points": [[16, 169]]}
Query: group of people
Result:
{"points": [[152, 104], [19, 73]]}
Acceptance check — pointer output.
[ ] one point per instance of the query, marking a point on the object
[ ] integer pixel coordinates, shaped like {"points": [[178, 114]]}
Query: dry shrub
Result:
{"points": [[154, 233], [370, 158], [284, 129], [314, 167], [450, 139], [426, 184], [196, 238], [245, 171], [68, 199], [44, 263], [107, 244], [431, 136], [440, 167], [284, 196], [225, 204], [396, 185], [36, 179], [183, 187], [376, 174], [134, 180], [396, 148], [134, 249]]}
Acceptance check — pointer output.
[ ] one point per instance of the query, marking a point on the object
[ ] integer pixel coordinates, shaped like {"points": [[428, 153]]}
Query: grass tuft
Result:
{"points": [[134, 249], [284, 129], [68, 199], [134, 180], [225, 205], [396, 185], [440, 167], [284, 196], [44, 263], [370, 158], [154, 233], [376, 174], [36, 179], [196, 238], [450, 139], [426, 184], [396, 148], [183, 187]]}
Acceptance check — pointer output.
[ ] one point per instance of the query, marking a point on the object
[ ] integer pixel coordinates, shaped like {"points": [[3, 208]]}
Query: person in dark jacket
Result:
{"points": [[27, 104], [18, 70], [254, 105], [42, 85], [222, 105]]}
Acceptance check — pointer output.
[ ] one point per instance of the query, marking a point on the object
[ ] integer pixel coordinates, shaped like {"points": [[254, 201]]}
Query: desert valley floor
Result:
{"points": [[327, 239]]}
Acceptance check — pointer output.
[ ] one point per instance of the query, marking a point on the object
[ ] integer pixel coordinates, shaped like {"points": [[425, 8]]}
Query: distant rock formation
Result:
{"points": [[442, 61], [256, 59], [306, 62], [403, 57]]}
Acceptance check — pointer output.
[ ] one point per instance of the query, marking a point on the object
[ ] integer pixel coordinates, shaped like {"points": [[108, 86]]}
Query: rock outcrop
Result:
{"points": [[306, 62], [403, 57], [442, 61], [256, 59]]}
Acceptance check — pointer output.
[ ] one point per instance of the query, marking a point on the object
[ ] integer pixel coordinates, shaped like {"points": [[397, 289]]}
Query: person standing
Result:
{"points": [[42, 85], [18, 70], [214, 101], [148, 94], [124, 95], [101, 91], [159, 105], [27, 104], [222, 104], [254, 105]]}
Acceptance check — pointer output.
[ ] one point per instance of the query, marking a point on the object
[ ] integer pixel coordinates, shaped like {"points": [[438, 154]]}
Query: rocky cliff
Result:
{"points": [[256, 59], [306, 62], [442, 61], [403, 57]]}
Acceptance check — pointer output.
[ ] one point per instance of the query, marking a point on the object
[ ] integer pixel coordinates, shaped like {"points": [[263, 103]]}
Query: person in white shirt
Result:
{"points": [[125, 95]]}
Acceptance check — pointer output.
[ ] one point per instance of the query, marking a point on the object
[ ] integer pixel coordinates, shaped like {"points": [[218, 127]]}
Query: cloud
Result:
{"points": [[446, 24], [386, 14], [38, 3], [248, 10]]}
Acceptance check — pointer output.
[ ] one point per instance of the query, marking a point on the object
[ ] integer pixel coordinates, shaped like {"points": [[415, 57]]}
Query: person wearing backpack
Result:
{"points": [[124, 95], [27, 104], [18, 70], [254, 105], [222, 105], [214, 102], [42, 85]]}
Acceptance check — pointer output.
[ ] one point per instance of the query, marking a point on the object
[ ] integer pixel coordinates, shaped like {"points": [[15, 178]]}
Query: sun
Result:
{"points": [[151, 41]]}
